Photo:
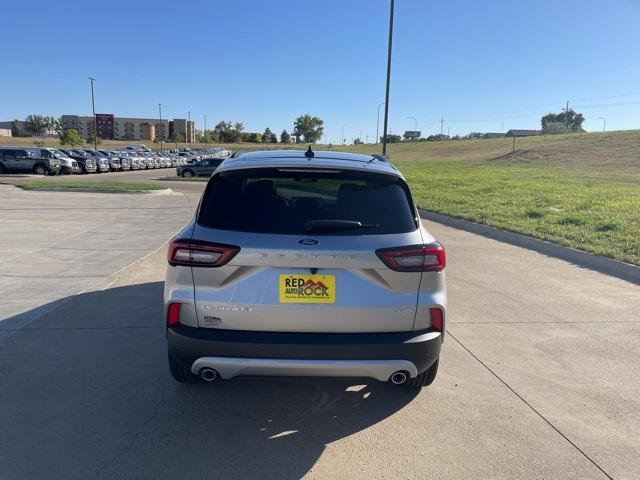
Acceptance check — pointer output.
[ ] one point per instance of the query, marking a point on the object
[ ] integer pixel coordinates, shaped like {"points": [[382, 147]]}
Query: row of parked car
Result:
{"points": [[54, 161]]}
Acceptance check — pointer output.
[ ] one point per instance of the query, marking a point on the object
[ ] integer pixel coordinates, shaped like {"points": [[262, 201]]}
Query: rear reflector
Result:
{"points": [[173, 314], [414, 258], [436, 319], [199, 254]]}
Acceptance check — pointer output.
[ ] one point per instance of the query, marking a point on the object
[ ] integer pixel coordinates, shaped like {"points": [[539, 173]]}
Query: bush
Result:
{"points": [[72, 138]]}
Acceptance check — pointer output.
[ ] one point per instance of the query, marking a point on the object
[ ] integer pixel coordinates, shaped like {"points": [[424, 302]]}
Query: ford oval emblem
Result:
{"points": [[307, 242]]}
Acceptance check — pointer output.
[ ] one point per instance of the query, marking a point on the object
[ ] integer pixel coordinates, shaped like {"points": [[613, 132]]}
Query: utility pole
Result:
{"points": [[160, 112], [95, 120], [441, 126], [342, 135], [378, 123], [386, 96], [415, 123]]}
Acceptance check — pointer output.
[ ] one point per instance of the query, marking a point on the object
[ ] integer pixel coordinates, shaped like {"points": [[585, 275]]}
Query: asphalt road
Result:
{"points": [[538, 379]]}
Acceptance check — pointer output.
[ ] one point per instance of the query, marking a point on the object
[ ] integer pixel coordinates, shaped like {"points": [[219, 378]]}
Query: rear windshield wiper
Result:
{"points": [[329, 225]]}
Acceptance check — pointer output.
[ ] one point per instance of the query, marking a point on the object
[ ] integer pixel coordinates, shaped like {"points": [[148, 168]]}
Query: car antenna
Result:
{"points": [[309, 153]]}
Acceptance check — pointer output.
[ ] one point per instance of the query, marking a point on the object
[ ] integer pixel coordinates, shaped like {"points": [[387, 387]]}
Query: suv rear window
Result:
{"points": [[285, 201]]}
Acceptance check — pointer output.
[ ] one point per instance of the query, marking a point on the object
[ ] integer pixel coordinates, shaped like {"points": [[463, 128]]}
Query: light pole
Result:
{"points": [[386, 97], [378, 122], [95, 120], [189, 130], [342, 136], [415, 123], [160, 113], [204, 133], [604, 123]]}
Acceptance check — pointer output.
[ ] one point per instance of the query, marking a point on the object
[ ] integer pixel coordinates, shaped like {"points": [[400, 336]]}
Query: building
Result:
{"points": [[522, 133], [138, 128], [5, 132], [148, 132], [84, 125], [105, 124], [412, 135], [183, 127], [111, 127], [493, 135]]}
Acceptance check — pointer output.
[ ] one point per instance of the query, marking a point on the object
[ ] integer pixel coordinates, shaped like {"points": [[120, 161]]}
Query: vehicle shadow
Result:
{"points": [[87, 387]]}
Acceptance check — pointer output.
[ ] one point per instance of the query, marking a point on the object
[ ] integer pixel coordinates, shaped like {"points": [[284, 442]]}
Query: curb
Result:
{"points": [[609, 266], [165, 191]]}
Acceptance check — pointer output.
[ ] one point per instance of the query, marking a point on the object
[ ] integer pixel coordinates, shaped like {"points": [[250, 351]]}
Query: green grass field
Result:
{"points": [[73, 184], [580, 190]]}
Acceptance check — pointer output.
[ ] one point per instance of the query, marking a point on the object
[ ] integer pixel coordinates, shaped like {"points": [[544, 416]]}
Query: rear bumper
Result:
{"points": [[233, 352]]}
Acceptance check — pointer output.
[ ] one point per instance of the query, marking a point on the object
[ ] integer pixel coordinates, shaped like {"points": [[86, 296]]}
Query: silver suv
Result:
{"points": [[305, 264]]}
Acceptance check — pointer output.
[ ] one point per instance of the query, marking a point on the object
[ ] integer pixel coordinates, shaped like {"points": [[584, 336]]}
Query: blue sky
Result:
{"points": [[484, 66]]}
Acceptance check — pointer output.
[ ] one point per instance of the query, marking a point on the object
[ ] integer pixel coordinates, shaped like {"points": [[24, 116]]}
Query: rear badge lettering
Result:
{"points": [[307, 289], [227, 308], [211, 320]]}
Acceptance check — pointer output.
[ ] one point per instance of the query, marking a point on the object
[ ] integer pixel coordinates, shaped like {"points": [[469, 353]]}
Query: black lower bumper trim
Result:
{"points": [[186, 344]]}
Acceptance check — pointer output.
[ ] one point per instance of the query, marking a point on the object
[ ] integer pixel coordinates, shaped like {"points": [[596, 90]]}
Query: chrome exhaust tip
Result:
{"points": [[208, 374], [398, 378]]}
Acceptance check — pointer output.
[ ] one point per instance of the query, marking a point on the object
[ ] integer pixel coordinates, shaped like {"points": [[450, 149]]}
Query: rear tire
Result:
{"points": [[187, 174], [40, 170], [424, 379], [180, 373]]}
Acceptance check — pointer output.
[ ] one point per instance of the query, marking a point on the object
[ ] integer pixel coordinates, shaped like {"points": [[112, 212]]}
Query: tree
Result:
{"points": [[17, 130], [251, 137], [273, 138], [57, 126], [92, 139], [72, 138], [569, 120], [177, 137], [208, 138], [37, 124], [357, 141], [308, 127], [285, 137], [228, 132], [266, 136], [438, 137], [554, 128]]}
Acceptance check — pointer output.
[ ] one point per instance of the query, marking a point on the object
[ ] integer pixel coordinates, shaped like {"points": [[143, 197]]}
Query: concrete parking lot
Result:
{"points": [[537, 379]]}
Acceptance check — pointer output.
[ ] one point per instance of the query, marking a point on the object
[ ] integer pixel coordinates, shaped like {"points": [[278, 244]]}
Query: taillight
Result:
{"points": [[414, 258], [199, 254], [436, 319], [173, 314]]}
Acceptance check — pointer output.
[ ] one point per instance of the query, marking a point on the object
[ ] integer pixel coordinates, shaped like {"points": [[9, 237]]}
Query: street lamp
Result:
{"points": [[386, 97], [160, 113], [415, 123], [204, 133], [95, 120], [604, 123], [342, 136], [189, 130], [378, 122]]}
